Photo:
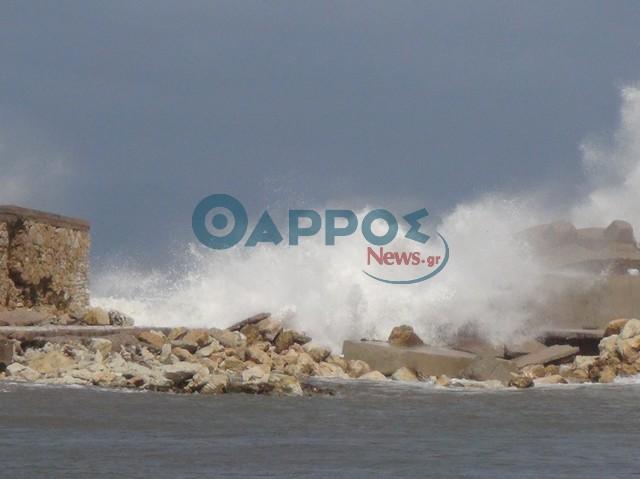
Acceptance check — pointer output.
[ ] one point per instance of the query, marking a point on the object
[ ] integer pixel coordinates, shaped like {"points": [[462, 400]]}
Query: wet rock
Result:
{"points": [[374, 376], [521, 382], [96, 317], [607, 375], [554, 379], [534, 371], [630, 329], [270, 328], [404, 374], [155, 339], [615, 327], [285, 384], [443, 381], [404, 336]]}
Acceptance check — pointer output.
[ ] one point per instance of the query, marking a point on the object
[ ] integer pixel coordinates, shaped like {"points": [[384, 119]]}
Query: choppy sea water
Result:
{"points": [[365, 431]]}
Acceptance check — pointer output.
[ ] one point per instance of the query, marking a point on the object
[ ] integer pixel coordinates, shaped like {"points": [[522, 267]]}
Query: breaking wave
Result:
{"points": [[490, 283]]}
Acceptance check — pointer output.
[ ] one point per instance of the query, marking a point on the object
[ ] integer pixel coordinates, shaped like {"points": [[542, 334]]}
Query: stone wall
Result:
{"points": [[44, 261]]}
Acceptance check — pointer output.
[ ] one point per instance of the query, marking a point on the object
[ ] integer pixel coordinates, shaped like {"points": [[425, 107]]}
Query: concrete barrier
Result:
{"points": [[425, 360]]}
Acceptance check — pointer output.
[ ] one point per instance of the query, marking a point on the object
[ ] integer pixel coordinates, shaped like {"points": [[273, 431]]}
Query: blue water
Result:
{"points": [[364, 431]]}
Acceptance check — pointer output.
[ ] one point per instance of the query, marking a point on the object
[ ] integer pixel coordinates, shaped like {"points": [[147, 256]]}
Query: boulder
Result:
{"points": [[269, 328], [256, 374], [374, 376], [117, 318], [534, 371], [252, 333], [256, 354], [232, 363], [256, 318], [180, 372], [404, 374], [338, 361], [182, 354], [155, 339], [619, 232], [357, 368], [608, 345], [628, 349], [196, 338], [229, 339], [521, 382], [630, 329], [215, 384], [607, 375], [328, 370], [443, 381], [96, 317], [317, 352], [404, 336], [20, 372], [289, 337], [50, 362], [212, 348], [285, 384], [615, 327]]}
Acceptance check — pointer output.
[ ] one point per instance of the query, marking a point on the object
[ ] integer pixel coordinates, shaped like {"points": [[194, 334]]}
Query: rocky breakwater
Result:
{"points": [[475, 363], [258, 355]]}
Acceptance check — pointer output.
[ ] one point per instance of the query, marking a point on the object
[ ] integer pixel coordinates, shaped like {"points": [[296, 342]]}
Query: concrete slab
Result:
{"points": [[425, 360], [568, 334], [23, 333], [487, 368], [547, 355]]}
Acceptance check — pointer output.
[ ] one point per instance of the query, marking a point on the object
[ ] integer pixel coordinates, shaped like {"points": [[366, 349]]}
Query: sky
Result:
{"points": [[128, 113]]}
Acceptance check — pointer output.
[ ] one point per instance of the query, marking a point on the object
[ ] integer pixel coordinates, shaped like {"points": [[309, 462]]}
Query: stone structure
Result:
{"points": [[44, 261]]}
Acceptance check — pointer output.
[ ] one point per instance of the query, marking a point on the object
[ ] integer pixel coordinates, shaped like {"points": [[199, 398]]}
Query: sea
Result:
{"points": [[364, 430]]}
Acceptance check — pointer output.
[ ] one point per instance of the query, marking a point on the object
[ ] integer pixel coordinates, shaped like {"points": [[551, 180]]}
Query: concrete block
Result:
{"points": [[425, 360], [547, 355]]}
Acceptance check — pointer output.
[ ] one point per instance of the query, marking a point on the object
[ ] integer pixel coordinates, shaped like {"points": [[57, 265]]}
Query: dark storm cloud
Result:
{"points": [[149, 106]]}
